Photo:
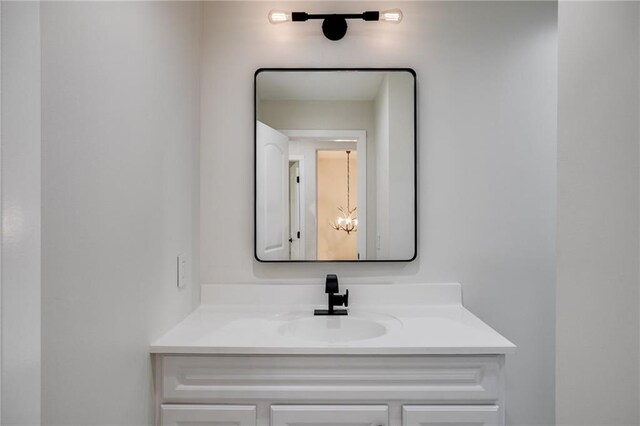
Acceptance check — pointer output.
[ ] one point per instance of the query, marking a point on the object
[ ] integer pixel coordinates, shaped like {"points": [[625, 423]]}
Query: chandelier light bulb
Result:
{"points": [[392, 15], [345, 221], [279, 16]]}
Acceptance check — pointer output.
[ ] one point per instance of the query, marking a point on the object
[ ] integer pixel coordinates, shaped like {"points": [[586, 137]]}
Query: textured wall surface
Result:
{"points": [[120, 111], [20, 213], [598, 235]]}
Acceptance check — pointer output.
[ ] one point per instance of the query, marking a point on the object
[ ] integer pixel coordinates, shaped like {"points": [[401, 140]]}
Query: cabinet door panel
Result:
{"points": [[450, 415], [208, 415], [329, 415], [469, 380]]}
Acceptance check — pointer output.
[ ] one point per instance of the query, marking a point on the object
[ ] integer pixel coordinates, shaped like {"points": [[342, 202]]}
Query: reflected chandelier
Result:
{"points": [[347, 220]]}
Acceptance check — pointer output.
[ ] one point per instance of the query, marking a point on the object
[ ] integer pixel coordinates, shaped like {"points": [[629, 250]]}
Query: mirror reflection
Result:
{"points": [[335, 165]]}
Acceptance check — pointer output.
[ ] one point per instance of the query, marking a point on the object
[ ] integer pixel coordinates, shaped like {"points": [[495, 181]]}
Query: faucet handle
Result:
{"points": [[339, 299]]}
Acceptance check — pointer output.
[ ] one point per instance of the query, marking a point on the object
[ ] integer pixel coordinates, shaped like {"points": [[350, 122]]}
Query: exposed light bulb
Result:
{"points": [[279, 16], [393, 15], [346, 221]]}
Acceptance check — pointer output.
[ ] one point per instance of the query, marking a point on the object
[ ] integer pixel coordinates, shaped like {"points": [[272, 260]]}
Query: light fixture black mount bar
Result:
{"points": [[335, 25], [304, 16]]}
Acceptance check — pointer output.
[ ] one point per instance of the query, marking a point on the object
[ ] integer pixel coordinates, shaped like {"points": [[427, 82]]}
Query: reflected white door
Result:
{"points": [[272, 194], [295, 208]]}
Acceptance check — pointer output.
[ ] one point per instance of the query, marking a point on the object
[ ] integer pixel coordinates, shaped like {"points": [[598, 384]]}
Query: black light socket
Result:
{"points": [[299, 16], [371, 16]]}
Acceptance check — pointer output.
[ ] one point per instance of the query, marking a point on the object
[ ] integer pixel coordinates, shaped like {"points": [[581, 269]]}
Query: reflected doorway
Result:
{"points": [[336, 188]]}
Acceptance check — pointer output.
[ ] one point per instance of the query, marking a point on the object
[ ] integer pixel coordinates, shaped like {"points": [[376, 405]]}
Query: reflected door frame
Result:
{"points": [[301, 197], [337, 136]]}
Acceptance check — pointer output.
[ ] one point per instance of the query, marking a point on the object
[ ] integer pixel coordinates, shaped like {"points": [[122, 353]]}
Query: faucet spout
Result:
{"points": [[331, 284]]}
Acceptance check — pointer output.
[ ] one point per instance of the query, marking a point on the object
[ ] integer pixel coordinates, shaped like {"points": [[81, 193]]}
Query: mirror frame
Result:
{"points": [[415, 163]]}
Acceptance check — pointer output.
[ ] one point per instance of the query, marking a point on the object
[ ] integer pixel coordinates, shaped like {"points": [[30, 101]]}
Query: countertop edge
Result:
{"points": [[182, 350]]}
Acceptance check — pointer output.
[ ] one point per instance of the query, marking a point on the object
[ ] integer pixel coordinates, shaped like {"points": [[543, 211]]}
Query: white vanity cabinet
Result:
{"points": [[341, 390], [211, 415], [421, 359], [441, 415], [339, 415]]}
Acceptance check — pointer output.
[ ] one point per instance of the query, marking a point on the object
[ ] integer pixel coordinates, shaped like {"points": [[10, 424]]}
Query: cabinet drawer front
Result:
{"points": [[461, 415], [331, 378], [327, 415], [210, 415]]}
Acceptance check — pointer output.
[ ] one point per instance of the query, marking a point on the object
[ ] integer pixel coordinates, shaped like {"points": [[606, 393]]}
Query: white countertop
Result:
{"points": [[418, 318]]}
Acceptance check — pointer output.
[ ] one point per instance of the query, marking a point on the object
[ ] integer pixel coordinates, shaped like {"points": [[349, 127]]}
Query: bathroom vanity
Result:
{"points": [[403, 355], [407, 355]]}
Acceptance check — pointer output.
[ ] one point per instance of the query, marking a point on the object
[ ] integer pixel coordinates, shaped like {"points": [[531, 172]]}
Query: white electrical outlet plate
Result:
{"points": [[182, 270]]}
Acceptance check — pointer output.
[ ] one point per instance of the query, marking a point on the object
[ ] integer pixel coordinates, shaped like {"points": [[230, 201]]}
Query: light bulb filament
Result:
{"points": [[279, 16], [393, 15]]}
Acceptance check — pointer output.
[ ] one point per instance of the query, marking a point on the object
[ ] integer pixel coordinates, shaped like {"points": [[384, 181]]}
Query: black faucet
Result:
{"points": [[331, 288]]}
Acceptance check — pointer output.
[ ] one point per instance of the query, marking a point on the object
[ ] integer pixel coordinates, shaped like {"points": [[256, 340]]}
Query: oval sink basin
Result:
{"points": [[333, 329]]}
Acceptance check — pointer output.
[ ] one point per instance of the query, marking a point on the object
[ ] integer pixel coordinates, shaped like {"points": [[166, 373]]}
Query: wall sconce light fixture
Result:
{"points": [[334, 26]]}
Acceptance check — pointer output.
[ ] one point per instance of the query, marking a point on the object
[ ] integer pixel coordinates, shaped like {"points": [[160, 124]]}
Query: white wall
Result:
{"points": [[598, 233], [0, 212], [394, 110], [382, 169], [487, 76], [120, 126], [400, 168], [20, 167]]}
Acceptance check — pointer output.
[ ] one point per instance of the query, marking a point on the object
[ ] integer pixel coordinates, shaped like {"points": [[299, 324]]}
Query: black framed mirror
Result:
{"points": [[335, 165]]}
